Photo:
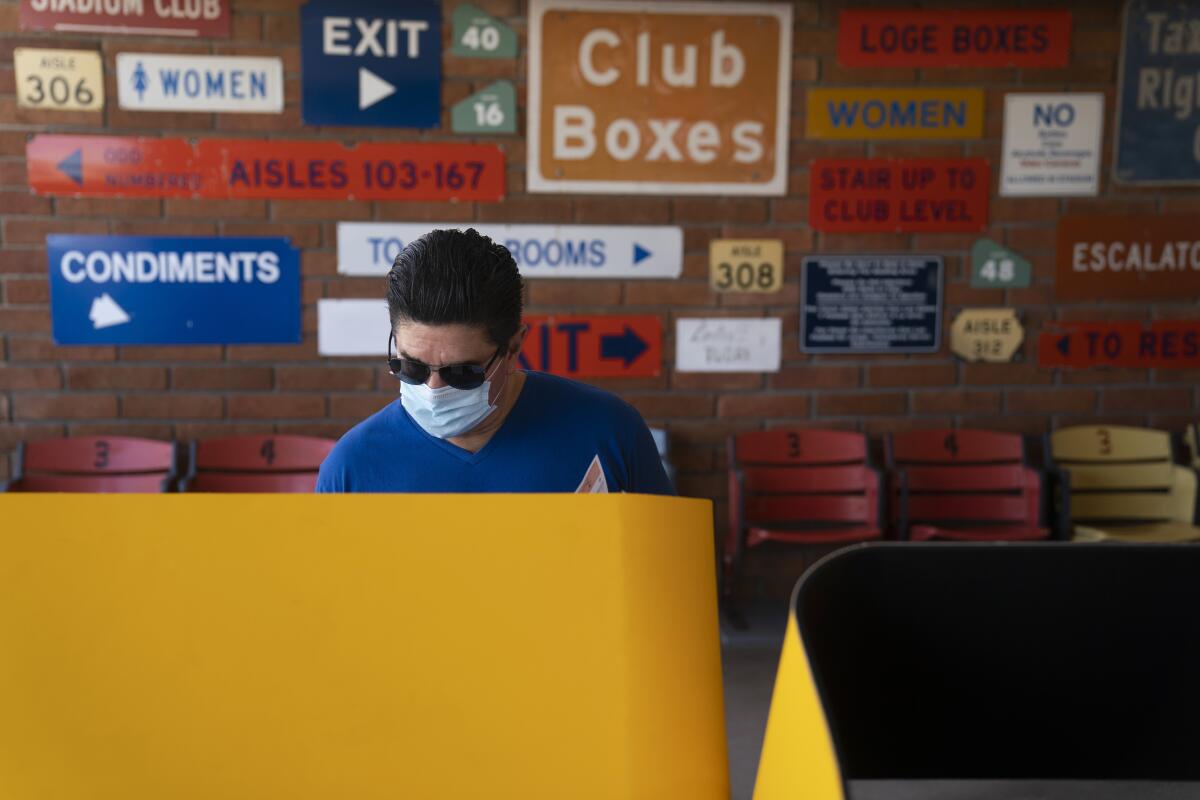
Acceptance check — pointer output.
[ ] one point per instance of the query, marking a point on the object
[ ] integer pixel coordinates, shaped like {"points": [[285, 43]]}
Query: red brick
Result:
{"points": [[173, 406], [721, 210], [623, 210], [13, 433], [673, 405], [956, 401], [1049, 401], [276, 406], [816, 376], [670, 294], [222, 377], [144, 430], [843, 405], [329, 379], [38, 349], [763, 406], [170, 354], [23, 203], [321, 210], [303, 235], [716, 380], [32, 292], [116, 377], [64, 406], [215, 209], [887, 375], [591, 294], [108, 207], [22, 262], [1148, 400], [29, 378], [358, 406], [12, 173], [24, 320], [271, 354], [1005, 374], [541, 209], [35, 231]]}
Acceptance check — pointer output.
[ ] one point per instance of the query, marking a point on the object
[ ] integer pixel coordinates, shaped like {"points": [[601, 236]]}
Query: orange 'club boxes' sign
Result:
{"points": [[659, 97]]}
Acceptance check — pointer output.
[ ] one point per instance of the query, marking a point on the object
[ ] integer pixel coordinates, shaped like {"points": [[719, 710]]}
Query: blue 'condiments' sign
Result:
{"points": [[1158, 132], [871, 304], [173, 290]]}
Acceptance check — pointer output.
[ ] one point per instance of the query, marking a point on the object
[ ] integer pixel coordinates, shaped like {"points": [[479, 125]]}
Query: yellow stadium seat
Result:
{"points": [[1125, 485], [1192, 435]]}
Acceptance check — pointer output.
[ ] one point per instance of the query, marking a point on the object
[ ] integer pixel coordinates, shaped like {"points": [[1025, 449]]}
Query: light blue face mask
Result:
{"points": [[447, 412]]}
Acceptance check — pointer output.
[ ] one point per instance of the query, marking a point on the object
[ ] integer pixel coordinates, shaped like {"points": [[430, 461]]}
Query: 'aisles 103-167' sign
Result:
{"points": [[658, 97]]}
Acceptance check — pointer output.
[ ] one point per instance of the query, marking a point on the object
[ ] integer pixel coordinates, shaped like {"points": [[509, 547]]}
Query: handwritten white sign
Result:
{"points": [[728, 345]]}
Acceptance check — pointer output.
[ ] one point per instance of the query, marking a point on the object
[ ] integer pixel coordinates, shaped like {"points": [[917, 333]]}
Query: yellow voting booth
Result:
{"points": [[249, 647]]}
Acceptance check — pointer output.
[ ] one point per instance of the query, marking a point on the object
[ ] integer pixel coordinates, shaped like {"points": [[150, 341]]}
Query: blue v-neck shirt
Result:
{"points": [[554, 430]]}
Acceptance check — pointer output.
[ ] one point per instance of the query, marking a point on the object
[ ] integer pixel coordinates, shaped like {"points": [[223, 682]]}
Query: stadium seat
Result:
{"points": [[964, 485], [273, 463], [1124, 484], [95, 464], [799, 487], [1192, 435]]}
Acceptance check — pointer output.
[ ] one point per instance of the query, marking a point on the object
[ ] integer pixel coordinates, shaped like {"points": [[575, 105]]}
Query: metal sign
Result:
{"points": [[901, 194], [122, 166], [59, 80], [478, 34], [949, 38], [173, 290], [490, 110], [986, 334], [746, 265], [1163, 344], [160, 82], [1158, 116], [182, 18], [371, 62], [1052, 144], [1123, 257], [994, 266], [577, 347], [659, 97], [541, 251], [884, 113], [871, 304], [728, 344]]}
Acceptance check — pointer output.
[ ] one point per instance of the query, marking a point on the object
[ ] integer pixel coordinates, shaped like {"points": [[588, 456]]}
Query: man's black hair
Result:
{"points": [[450, 276]]}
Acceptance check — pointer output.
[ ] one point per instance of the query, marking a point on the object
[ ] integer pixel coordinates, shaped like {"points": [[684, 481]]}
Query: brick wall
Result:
{"points": [[189, 392]]}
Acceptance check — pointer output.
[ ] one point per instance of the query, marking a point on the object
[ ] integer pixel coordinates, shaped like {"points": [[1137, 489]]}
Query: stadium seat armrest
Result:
{"points": [[1058, 497], [902, 528]]}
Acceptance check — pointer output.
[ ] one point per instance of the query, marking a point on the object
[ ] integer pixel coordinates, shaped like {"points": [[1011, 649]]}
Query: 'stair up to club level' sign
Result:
{"points": [[886, 113], [1158, 105], [903, 194], [119, 166], [371, 62], [184, 18], [871, 304], [162, 82], [945, 38], [541, 251], [728, 344], [59, 80], [1122, 257], [172, 290], [1164, 344], [577, 347], [1052, 144], [659, 97]]}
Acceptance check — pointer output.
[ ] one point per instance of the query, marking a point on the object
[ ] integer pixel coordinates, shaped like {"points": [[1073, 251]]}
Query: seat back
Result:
{"points": [[971, 477], [1192, 436], [95, 464], [801, 477], [271, 463], [1126, 474], [1024, 662]]}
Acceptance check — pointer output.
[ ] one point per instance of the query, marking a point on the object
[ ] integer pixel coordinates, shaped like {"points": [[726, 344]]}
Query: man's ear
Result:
{"points": [[518, 340]]}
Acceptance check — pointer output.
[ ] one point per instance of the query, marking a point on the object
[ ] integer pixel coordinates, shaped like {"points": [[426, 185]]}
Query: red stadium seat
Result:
{"points": [[95, 464], [964, 485], [269, 464], [799, 487]]}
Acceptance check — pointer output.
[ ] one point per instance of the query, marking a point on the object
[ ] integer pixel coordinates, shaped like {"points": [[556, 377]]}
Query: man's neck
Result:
{"points": [[479, 436]]}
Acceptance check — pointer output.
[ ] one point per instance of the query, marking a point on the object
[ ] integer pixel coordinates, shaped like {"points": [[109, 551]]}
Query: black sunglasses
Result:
{"points": [[460, 376]]}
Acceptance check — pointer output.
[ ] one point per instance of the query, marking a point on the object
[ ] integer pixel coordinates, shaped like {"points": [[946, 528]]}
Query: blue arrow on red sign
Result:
{"points": [[626, 345], [72, 167]]}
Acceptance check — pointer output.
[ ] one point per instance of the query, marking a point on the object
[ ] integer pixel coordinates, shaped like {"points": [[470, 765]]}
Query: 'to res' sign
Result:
{"points": [[658, 97]]}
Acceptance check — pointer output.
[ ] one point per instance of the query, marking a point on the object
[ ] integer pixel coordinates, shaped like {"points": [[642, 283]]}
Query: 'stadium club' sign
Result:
{"points": [[1123, 257], [937, 38], [184, 18], [658, 97], [902, 194]]}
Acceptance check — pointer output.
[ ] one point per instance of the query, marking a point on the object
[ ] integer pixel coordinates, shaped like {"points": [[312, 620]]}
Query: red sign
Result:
{"points": [[255, 168], [1165, 344], [954, 38], [155, 17], [1128, 256], [594, 347], [898, 194]]}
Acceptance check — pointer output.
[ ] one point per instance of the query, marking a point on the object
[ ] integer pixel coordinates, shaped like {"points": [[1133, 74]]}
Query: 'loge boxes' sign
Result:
{"points": [[903, 194], [659, 97], [1123, 257], [1158, 110], [938, 38]]}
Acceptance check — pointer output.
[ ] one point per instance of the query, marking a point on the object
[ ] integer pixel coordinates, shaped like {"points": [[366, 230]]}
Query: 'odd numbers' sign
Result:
{"points": [[937, 38], [658, 97], [904, 194]]}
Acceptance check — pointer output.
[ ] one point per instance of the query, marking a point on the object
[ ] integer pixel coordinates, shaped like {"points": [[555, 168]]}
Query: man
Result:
{"points": [[467, 419]]}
